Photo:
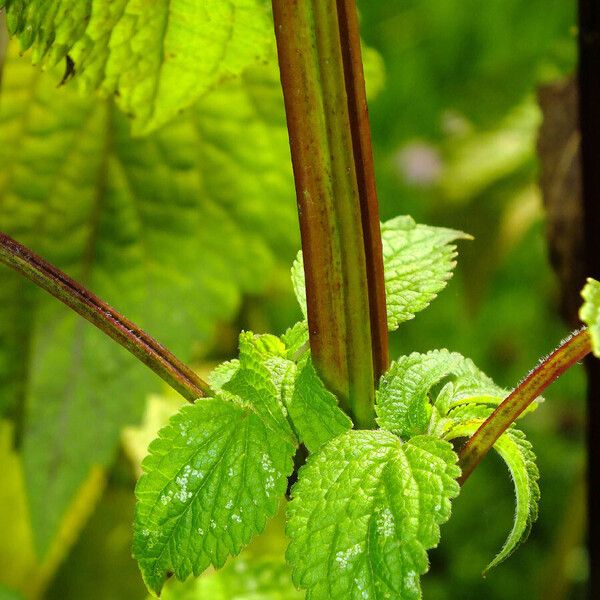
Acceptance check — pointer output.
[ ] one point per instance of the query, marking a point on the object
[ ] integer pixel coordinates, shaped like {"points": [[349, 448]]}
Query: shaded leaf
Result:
{"points": [[170, 229], [158, 60]]}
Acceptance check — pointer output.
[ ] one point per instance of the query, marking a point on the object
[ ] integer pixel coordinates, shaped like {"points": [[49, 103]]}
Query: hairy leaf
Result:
{"points": [[212, 478], [313, 409], [518, 455], [170, 229], [590, 312], [413, 383], [157, 59], [418, 261], [365, 510]]}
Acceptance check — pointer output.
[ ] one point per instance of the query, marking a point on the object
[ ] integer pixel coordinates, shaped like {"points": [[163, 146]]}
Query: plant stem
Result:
{"points": [[344, 290], [145, 348], [565, 356], [360, 128], [589, 118]]}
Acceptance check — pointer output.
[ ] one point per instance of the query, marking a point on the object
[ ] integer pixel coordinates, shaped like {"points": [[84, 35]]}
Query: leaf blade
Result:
{"points": [[357, 504]]}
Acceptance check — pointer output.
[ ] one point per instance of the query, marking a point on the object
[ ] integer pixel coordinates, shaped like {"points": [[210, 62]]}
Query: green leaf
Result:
{"points": [[171, 229], [156, 59], [263, 380], [517, 453], [590, 312], [364, 512], [413, 383], [314, 410], [223, 373], [246, 578], [418, 261], [212, 478], [296, 340]]}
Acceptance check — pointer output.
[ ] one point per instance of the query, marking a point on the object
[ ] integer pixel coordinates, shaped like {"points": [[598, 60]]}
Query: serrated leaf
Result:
{"points": [[517, 453], [212, 478], [170, 229], [296, 340], [314, 410], [418, 261], [411, 386], [223, 373], [262, 380], [364, 512], [590, 312], [157, 59]]}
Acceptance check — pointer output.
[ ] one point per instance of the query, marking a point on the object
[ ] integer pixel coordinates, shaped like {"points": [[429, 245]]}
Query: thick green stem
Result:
{"points": [[323, 142], [179, 376], [565, 356]]}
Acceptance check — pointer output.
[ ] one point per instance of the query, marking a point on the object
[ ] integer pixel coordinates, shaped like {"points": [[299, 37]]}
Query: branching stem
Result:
{"points": [[570, 352], [145, 348]]}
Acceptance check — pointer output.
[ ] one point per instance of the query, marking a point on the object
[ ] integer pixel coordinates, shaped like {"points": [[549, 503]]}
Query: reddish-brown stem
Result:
{"points": [[145, 348], [565, 356], [321, 81], [360, 128]]}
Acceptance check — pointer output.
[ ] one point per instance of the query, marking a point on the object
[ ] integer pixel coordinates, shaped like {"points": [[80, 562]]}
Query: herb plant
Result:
{"points": [[374, 445]]}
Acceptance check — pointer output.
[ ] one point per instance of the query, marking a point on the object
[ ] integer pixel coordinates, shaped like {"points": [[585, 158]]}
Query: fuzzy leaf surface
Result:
{"points": [[364, 512], [170, 229], [516, 451], [211, 480], [158, 59], [412, 385], [590, 312], [417, 260]]}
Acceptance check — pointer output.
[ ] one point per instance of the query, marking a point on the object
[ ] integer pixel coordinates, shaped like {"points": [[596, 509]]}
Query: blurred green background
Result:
{"points": [[454, 128]]}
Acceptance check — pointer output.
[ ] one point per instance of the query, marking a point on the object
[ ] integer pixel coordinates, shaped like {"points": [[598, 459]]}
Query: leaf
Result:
{"points": [[405, 395], [171, 229], [364, 512], [157, 60], [262, 381], [212, 478], [418, 261], [314, 410], [518, 455], [590, 312], [21, 568]]}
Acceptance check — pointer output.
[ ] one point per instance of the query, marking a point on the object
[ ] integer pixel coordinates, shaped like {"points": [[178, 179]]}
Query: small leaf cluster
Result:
{"points": [[367, 504]]}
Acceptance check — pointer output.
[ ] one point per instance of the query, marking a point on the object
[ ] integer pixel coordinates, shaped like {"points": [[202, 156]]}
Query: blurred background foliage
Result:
{"points": [[455, 129]]}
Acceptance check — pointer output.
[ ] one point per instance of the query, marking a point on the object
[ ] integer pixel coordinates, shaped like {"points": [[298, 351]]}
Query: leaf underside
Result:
{"points": [[364, 512], [516, 451]]}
